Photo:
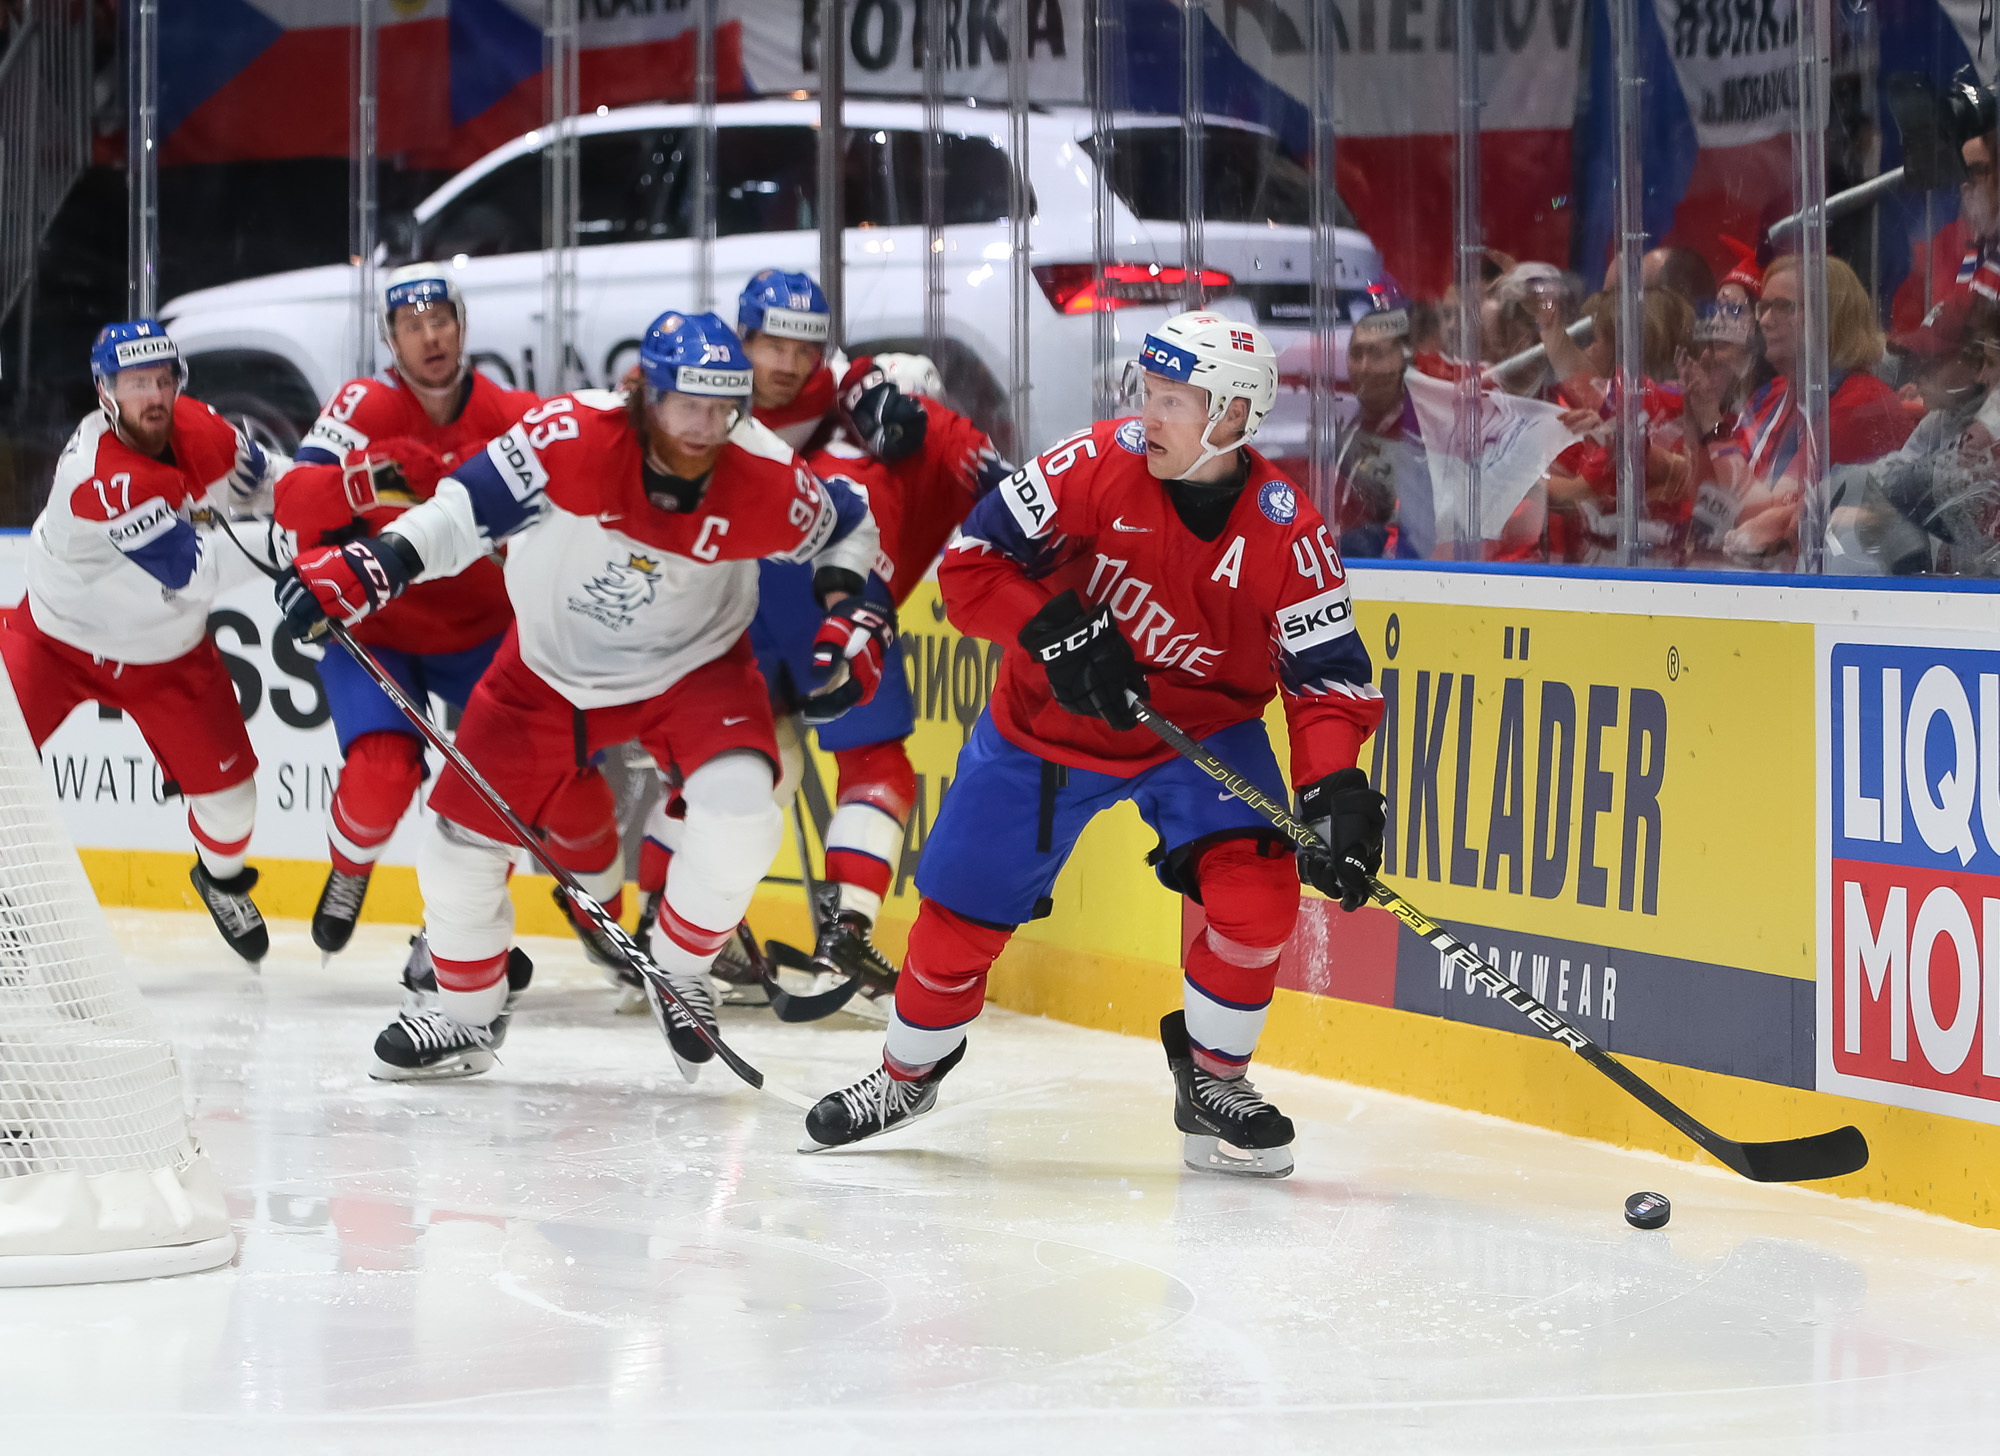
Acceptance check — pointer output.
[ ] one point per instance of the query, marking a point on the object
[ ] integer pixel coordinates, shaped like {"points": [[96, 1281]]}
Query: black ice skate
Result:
{"points": [[234, 912], [738, 982], [847, 951], [1228, 1127], [423, 1044], [689, 1050], [339, 907], [875, 1104]]}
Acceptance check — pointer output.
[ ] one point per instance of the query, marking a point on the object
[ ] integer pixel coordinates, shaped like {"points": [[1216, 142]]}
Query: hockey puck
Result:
{"points": [[1648, 1210]]}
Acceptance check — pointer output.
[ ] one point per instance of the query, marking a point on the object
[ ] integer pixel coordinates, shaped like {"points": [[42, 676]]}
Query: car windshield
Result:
{"points": [[1244, 176]]}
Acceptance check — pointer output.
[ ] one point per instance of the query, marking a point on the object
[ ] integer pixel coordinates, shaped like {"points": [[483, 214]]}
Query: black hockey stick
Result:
{"points": [[1793, 1160], [784, 1005]]}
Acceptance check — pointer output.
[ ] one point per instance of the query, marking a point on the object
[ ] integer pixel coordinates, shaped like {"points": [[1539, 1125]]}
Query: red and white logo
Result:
{"points": [[1244, 340]]}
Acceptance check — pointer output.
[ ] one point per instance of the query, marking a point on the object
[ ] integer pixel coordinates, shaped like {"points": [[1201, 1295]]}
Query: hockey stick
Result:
{"points": [[784, 1005], [1793, 1160], [584, 902]]}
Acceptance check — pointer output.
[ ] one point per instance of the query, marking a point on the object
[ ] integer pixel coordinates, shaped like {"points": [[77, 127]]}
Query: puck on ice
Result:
{"points": [[1648, 1210]]}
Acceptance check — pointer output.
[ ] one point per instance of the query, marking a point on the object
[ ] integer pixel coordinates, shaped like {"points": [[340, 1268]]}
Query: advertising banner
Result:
{"points": [[1909, 850]]}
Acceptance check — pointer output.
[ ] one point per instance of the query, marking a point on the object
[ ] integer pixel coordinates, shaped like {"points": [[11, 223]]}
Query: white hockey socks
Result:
{"points": [[221, 823], [468, 919], [730, 836]]}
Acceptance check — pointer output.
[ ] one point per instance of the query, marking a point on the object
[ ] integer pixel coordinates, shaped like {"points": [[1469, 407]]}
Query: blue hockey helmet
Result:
{"points": [[134, 344], [785, 305], [693, 353]]}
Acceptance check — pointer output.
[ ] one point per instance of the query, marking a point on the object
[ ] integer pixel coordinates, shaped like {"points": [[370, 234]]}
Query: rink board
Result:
{"points": [[1626, 793]]}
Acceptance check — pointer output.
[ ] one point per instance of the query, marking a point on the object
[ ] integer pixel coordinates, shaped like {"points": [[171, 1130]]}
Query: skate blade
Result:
{"points": [[465, 1064], [810, 1145], [871, 1008], [325, 959], [631, 1002], [1213, 1155], [690, 1071]]}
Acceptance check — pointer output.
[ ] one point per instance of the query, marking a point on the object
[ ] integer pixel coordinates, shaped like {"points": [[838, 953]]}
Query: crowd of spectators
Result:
{"points": [[1908, 480]]}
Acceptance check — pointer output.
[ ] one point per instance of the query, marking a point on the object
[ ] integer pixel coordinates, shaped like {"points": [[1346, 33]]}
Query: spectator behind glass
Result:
{"points": [[1718, 372], [1930, 506], [1530, 299], [1683, 270], [1583, 483], [1762, 467], [1969, 243], [1382, 477]]}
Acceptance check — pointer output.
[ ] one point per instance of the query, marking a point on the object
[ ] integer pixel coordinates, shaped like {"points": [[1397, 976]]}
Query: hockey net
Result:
{"points": [[100, 1176]]}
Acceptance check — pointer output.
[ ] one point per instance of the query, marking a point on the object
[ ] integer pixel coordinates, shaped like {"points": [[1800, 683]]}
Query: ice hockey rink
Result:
{"points": [[578, 1252]]}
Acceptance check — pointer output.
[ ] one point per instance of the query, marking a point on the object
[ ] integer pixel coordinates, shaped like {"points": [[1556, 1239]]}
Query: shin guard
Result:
{"points": [[942, 988], [377, 782], [1251, 893], [221, 823]]}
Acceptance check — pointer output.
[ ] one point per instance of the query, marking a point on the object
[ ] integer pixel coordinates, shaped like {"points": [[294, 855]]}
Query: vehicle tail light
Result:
{"points": [[1072, 287]]}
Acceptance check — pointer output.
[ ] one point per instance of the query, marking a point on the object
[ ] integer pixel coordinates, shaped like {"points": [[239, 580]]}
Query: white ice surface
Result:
{"points": [[577, 1252]]}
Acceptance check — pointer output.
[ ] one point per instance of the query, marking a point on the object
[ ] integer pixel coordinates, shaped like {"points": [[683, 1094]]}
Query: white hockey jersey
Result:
{"points": [[615, 599]]}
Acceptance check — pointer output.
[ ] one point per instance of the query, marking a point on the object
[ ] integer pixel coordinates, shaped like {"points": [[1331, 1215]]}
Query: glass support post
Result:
{"points": [[831, 158], [559, 196], [703, 220], [1815, 64], [1020, 205], [1322, 447], [1469, 258], [142, 157], [1193, 204], [934, 20], [362, 196], [1629, 200], [1104, 36]]}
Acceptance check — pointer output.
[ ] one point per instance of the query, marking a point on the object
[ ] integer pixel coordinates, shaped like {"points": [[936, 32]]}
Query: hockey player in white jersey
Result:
{"points": [[636, 525], [123, 565]]}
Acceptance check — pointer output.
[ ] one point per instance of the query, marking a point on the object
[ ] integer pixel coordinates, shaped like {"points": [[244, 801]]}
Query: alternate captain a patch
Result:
{"points": [[1132, 435], [1278, 501]]}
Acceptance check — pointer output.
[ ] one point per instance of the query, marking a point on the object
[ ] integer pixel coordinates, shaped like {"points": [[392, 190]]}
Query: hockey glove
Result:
{"points": [[889, 424], [344, 583], [396, 472], [1088, 660], [847, 657], [1349, 816]]}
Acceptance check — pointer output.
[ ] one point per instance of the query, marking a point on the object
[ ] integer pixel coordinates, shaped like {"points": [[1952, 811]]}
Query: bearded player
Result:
{"points": [[922, 466], [123, 566], [379, 448], [1164, 556], [637, 522]]}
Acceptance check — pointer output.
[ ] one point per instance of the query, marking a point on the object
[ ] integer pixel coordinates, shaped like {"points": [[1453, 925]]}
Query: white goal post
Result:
{"points": [[100, 1175]]}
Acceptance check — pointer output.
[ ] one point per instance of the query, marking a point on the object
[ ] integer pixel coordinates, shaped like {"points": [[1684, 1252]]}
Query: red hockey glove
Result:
{"points": [[847, 657], [1349, 815], [399, 471], [344, 583], [1088, 660]]}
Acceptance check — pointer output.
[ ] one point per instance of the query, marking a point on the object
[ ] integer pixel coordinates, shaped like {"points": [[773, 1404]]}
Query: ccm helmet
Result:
{"points": [[786, 306], [693, 353], [1228, 358], [134, 344]]}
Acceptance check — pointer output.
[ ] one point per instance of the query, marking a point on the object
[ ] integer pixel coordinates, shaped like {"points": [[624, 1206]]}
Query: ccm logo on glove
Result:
{"points": [[855, 636], [1090, 664], [344, 583]]}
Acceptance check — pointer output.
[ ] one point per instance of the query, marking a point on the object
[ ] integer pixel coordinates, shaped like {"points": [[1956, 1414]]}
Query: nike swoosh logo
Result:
{"points": [[223, 767], [1225, 798], [1119, 525], [732, 722]]}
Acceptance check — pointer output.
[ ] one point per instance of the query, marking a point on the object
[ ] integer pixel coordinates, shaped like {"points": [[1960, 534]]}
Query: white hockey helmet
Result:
{"points": [[1227, 357], [426, 285]]}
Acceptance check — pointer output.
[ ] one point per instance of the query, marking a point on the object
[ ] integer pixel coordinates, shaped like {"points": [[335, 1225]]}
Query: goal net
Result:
{"points": [[100, 1176]]}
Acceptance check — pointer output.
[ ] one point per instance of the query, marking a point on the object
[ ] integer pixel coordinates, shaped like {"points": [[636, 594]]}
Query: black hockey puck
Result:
{"points": [[1648, 1210]]}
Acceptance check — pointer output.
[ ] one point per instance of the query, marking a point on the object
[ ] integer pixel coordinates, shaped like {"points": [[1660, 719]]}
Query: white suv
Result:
{"points": [[271, 349]]}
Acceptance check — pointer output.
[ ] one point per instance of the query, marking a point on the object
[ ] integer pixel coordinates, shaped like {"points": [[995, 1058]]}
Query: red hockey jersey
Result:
{"points": [[445, 616], [1219, 626]]}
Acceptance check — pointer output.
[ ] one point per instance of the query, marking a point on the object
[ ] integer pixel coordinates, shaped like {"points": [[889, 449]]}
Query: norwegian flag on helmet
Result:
{"points": [[1244, 340]]}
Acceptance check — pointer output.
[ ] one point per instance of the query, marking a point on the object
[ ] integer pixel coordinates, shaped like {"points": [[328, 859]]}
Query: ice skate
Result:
{"points": [[876, 1104], [423, 1044], [1228, 1128], [846, 951], [689, 1050], [737, 981], [234, 912], [339, 907]]}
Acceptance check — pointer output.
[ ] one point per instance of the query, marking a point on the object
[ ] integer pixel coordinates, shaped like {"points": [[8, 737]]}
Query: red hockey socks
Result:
{"points": [[1251, 893], [864, 840], [377, 782], [941, 989]]}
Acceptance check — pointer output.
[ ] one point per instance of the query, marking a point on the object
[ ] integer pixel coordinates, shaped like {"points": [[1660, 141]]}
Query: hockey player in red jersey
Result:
{"points": [[636, 522], [785, 323], [377, 449], [1164, 556], [123, 565]]}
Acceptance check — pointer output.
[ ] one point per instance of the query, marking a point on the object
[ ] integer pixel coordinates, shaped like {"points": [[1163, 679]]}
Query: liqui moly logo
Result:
{"points": [[1909, 993]]}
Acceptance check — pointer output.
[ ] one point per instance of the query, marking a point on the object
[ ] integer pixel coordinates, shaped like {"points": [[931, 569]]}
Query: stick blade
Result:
{"points": [[791, 1008], [1803, 1160]]}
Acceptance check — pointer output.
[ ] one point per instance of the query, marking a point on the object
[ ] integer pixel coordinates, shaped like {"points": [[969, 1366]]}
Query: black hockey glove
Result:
{"points": [[1349, 816], [1088, 660], [889, 424]]}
